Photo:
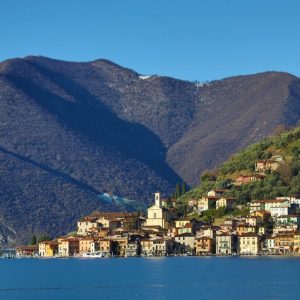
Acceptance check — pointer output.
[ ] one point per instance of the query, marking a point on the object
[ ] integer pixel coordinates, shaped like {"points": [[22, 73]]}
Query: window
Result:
{"points": [[155, 215]]}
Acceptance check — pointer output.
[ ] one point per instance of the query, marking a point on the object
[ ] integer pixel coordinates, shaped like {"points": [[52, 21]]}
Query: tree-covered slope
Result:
{"points": [[284, 181]]}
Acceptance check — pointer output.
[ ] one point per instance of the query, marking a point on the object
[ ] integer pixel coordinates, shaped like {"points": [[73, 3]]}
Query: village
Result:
{"points": [[270, 228]]}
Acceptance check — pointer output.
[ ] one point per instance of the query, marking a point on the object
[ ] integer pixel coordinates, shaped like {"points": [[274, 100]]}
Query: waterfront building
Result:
{"points": [[85, 244], [225, 244], [27, 251], [296, 243], [187, 240], [270, 244], [48, 248], [204, 245], [284, 243], [147, 247], [249, 244], [68, 246]]}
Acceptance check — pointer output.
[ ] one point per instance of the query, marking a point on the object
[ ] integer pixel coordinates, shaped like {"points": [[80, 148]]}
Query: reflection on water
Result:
{"points": [[150, 278]]}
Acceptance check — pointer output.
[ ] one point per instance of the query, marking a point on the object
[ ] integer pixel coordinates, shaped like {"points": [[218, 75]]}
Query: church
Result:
{"points": [[157, 215]]}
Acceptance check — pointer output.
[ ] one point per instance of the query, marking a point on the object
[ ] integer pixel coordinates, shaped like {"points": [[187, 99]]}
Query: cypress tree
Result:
{"points": [[177, 190], [183, 188], [33, 240]]}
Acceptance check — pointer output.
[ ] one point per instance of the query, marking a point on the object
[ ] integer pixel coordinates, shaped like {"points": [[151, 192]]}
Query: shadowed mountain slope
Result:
{"points": [[70, 131]]}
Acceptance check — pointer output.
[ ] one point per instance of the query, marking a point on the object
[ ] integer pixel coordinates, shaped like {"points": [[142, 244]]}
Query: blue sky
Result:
{"points": [[186, 39]]}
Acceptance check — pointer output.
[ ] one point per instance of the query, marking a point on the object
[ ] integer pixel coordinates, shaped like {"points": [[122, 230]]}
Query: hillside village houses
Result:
{"points": [[272, 227]]}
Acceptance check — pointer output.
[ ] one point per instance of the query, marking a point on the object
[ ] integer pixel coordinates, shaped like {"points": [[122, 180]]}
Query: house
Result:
{"points": [[249, 244], [254, 221], [106, 220], [68, 246], [225, 202], [147, 247], [161, 246], [172, 232], [157, 215], [181, 223], [265, 215], [226, 244], [206, 203], [119, 245], [102, 245], [279, 211], [85, 244], [274, 206], [269, 164], [188, 228], [256, 205], [133, 249], [216, 193], [85, 224], [270, 244], [187, 240], [245, 228], [27, 251], [287, 220], [295, 200], [207, 230], [278, 229], [296, 246], [284, 243], [245, 179], [48, 248], [204, 245]]}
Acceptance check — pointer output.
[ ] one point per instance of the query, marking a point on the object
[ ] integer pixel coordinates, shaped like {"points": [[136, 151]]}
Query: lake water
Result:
{"points": [[151, 278]]}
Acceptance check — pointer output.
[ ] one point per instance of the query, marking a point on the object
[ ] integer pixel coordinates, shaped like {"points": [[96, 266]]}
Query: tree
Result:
{"points": [[44, 237], [33, 240], [183, 188], [177, 190]]}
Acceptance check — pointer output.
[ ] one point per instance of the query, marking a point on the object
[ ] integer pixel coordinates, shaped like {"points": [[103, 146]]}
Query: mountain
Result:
{"points": [[273, 164], [72, 131]]}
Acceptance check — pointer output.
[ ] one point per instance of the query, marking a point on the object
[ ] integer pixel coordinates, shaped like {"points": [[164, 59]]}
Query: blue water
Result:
{"points": [[151, 278]]}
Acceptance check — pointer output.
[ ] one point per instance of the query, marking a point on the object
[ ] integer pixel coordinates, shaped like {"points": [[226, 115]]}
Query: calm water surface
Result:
{"points": [[151, 278]]}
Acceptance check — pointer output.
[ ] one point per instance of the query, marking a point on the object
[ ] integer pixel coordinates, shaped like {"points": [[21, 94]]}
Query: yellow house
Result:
{"points": [[204, 245], [68, 246], [157, 215], [85, 244], [297, 242], [245, 228], [48, 248]]}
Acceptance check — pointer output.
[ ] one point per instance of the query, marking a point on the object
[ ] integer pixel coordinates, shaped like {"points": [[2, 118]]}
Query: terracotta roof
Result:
{"points": [[186, 234], [269, 201], [28, 248], [248, 234]]}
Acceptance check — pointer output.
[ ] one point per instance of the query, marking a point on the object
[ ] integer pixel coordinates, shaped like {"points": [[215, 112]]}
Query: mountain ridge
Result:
{"points": [[108, 128]]}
